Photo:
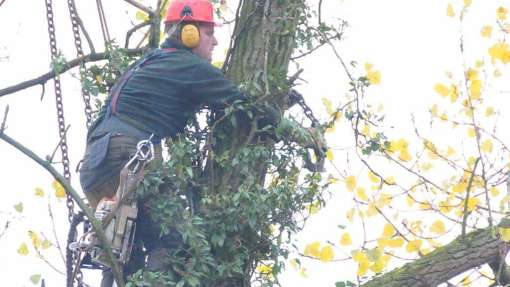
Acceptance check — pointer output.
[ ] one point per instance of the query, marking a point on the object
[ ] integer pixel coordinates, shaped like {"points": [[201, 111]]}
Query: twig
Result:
{"points": [[2, 2], [70, 190], [132, 30], [468, 190], [50, 158], [54, 229], [93, 57], [140, 6], [2, 128]]}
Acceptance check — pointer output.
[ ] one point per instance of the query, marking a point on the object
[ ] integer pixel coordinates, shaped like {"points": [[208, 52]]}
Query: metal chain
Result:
{"points": [[61, 125], [296, 97], [79, 52]]}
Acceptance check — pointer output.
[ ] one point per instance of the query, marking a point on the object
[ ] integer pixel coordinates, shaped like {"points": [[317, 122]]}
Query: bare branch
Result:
{"points": [[70, 190], [134, 29], [93, 57], [140, 6], [2, 127]]}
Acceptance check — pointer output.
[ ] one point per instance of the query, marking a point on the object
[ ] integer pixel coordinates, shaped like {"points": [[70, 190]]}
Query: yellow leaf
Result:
{"points": [[19, 207], [489, 111], [396, 242], [388, 230], [218, 64], [476, 89], [442, 89], [362, 268], [487, 146], [450, 151], [374, 77], [444, 117], [438, 227], [39, 192], [378, 266], [486, 31], [404, 156], [368, 66], [454, 93], [504, 233], [459, 187], [471, 132], [371, 210], [350, 214], [327, 254], [501, 13], [36, 241], [466, 281], [449, 11], [294, 263], [360, 193], [350, 182], [312, 249], [328, 105], [329, 155], [410, 201], [141, 16], [472, 203], [46, 244], [345, 239], [23, 249], [433, 110], [372, 177], [500, 51], [497, 73], [35, 279], [390, 180], [494, 191], [382, 242], [384, 199], [426, 166], [59, 189], [413, 245], [467, 3]]}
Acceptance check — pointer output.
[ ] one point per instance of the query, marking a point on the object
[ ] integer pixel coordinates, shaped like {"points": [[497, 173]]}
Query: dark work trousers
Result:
{"points": [[104, 158]]}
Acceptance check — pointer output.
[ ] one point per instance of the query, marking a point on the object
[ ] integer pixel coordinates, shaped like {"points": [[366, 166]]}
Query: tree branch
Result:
{"points": [[69, 190], [93, 57], [464, 253], [140, 6]]}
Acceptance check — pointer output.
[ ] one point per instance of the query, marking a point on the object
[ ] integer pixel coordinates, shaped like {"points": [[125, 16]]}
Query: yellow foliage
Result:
{"points": [[371, 210], [501, 13], [329, 155], [294, 263], [486, 146], [390, 180], [444, 117], [494, 191], [433, 110], [384, 199], [23, 249], [413, 245], [476, 89], [459, 187], [450, 151], [36, 241], [368, 66], [350, 182], [350, 214], [39, 192], [327, 254], [374, 77], [449, 11], [500, 51], [466, 281], [378, 266], [472, 203], [328, 105], [426, 166], [361, 194], [486, 31], [312, 249], [372, 177], [438, 227], [388, 230], [489, 111], [362, 268], [467, 3], [504, 233], [410, 201], [396, 242], [265, 270], [442, 89], [59, 189], [345, 239], [471, 132]]}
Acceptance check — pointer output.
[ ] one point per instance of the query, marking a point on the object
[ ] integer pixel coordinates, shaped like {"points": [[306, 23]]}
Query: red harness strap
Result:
{"points": [[126, 76]]}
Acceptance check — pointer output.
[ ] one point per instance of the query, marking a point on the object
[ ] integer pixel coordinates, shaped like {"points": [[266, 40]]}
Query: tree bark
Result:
{"points": [[479, 247]]}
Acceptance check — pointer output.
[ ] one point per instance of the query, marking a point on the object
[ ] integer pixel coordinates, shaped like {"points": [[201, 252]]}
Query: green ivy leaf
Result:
{"points": [[19, 207], [35, 278]]}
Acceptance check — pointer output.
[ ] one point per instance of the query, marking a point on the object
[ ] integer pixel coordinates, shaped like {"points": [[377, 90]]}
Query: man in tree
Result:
{"points": [[157, 96]]}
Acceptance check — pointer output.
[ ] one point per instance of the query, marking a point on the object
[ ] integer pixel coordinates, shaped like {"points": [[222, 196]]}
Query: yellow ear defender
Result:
{"points": [[190, 36]]}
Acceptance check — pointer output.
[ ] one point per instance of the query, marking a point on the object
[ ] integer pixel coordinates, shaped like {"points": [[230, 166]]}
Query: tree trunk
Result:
{"points": [[475, 249]]}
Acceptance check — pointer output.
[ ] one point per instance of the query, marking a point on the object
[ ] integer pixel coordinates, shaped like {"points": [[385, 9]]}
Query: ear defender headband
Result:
{"points": [[190, 35]]}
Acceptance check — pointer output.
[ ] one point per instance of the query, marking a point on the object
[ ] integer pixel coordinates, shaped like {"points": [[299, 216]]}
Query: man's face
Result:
{"points": [[207, 42]]}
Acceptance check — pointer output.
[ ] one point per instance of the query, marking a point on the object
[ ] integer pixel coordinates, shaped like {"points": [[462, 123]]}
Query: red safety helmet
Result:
{"points": [[190, 10]]}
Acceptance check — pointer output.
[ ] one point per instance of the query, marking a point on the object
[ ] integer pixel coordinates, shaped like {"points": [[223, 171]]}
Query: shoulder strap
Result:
{"points": [[127, 75]]}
